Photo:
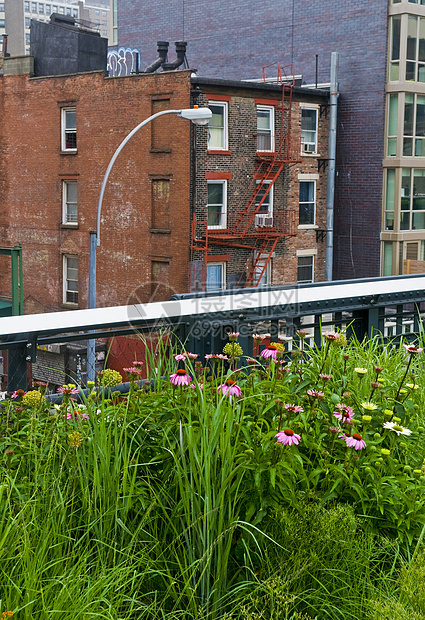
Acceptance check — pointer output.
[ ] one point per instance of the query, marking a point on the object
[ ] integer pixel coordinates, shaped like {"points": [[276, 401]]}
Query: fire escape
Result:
{"points": [[250, 227]]}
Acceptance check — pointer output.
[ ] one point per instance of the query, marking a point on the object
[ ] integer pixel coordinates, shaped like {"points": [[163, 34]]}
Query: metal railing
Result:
{"points": [[392, 307]]}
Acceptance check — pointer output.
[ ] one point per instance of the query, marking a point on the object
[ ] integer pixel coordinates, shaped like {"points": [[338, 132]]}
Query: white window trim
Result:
{"points": [[223, 226], [308, 226], [316, 147], [223, 276], [269, 108], [65, 280], [225, 145], [65, 220], [63, 134]]}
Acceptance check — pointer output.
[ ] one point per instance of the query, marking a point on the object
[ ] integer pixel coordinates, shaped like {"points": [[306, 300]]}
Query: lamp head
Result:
{"points": [[198, 116]]}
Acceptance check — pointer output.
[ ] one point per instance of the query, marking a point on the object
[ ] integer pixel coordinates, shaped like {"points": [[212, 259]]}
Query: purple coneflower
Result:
{"points": [[288, 437], [68, 389], [412, 349], [180, 357], [229, 388], [293, 408], [192, 356], [270, 351], [331, 335], [233, 336], [345, 412], [325, 377], [76, 415], [133, 372], [180, 377], [355, 441], [315, 394]]}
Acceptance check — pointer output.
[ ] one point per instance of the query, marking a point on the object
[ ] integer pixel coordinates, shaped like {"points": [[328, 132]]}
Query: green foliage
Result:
{"points": [[190, 503]]}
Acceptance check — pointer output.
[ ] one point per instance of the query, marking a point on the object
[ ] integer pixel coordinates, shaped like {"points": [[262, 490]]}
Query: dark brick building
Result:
{"points": [[237, 43]]}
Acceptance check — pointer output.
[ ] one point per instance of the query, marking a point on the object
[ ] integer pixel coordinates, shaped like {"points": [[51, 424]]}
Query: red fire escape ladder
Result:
{"points": [[261, 259]]}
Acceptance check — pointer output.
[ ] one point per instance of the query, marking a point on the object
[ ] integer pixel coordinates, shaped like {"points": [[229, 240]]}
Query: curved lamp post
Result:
{"points": [[199, 116]]}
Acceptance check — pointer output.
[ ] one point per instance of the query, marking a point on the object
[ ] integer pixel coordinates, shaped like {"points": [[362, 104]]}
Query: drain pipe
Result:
{"points": [[181, 56], [331, 167], [162, 47]]}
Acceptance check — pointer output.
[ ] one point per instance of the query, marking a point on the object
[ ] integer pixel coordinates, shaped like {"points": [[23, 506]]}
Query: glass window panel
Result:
{"points": [[421, 47], [420, 147], [308, 120], [412, 25], [407, 147], [263, 119], [405, 188], [392, 115], [215, 193], [420, 115], [419, 190], [70, 119], [394, 72], [389, 220], [405, 220], [390, 193], [421, 73], [305, 269], [71, 192], [265, 207], [388, 258], [214, 277], [392, 147], [418, 221], [408, 114], [395, 43]]}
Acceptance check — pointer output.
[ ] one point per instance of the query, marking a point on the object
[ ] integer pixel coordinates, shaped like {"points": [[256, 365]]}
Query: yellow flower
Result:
{"points": [[33, 398], [279, 346], [75, 440]]}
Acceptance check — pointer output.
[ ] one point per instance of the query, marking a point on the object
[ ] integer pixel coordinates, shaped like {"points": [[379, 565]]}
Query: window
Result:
{"points": [[395, 48], [309, 130], [387, 258], [70, 279], [97, 12], [412, 205], [262, 269], [27, 6], [217, 127], [27, 22], [265, 128], [75, 13], [216, 277], [2, 7], [307, 203], [103, 13], [69, 202], [69, 129], [27, 37], [62, 10], [305, 269], [411, 1], [415, 49], [68, 11], [48, 9], [414, 125], [34, 7], [41, 8], [55, 8], [1, 23], [389, 200], [217, 204], [264, 215], [392, 125]]}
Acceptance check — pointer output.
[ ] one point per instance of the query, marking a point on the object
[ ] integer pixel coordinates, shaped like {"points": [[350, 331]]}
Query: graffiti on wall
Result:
{"points": [[122, 61]]}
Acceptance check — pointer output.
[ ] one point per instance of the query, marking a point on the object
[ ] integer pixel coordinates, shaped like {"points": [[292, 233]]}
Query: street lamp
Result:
{"points": [[198, 116]]}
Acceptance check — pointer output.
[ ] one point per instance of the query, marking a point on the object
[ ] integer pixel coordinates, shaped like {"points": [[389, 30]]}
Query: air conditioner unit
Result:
{"points": [[263, 220], [309, 147]]}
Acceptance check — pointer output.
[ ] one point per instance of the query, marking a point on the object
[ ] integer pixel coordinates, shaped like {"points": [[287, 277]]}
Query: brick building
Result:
{"points": [[260, 205], [253, 35]]}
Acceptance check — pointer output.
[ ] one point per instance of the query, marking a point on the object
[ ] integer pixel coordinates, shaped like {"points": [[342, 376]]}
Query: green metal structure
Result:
{"points": [[13, 305]]}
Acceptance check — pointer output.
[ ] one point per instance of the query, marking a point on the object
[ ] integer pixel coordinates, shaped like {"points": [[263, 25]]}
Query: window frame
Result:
{"points": [[67, 279], [223, 218], [225, 137], [271, 110], [306, 254], [308, 151], [66, 220], [221, 264], [65, 130], [313, 224]]}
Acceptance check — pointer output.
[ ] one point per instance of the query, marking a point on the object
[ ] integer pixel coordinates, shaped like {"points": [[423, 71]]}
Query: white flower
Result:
{"points": [[400, 430]]}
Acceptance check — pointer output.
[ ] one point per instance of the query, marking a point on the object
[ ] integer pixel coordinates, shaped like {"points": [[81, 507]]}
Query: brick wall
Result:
{"points": [[32, 168], [253, 35]]}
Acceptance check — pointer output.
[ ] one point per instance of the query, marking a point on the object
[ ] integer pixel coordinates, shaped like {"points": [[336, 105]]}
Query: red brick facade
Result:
{"points": [[145, 215]]}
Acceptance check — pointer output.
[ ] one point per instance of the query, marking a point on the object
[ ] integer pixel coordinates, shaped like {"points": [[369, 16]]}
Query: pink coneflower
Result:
{"points": [[345, 412], [257, 337], [68, 389], [325, 377], [18, 394], [200, 385], [288, 437], [251, 361], [136, 363], [233, 336], [216, 357], [315, 394], [293, 408], [331, 335], [133, 372], [334, 429], [180, 357], [270, 351], [192, 356], [301, 333], [76, 415], [229, 388], [412, 349], [355, 441], [180, 377]]}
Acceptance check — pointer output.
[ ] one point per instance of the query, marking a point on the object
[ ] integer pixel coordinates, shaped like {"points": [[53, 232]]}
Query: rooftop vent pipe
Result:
{"points": [[162, 47], [181, 56]]}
